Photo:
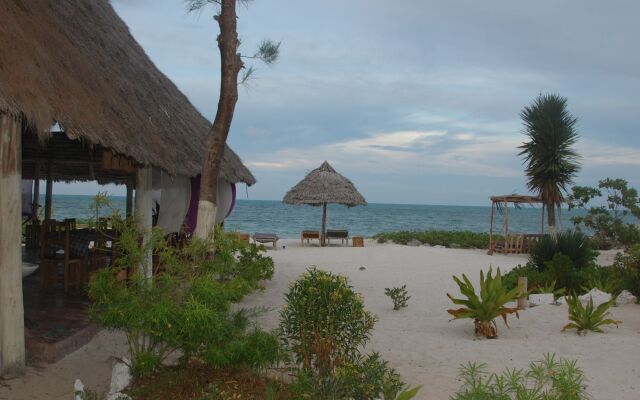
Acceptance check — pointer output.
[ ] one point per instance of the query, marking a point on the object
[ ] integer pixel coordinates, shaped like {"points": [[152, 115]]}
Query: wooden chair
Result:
{"points": [[56, 239], [309, 235], [266, 238], [341, 234]]}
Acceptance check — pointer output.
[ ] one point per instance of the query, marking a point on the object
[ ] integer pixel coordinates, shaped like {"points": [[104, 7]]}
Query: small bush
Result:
{"points": [[186, 306], [399, 296], [545, 379], [589, 318], [325, 325], [574, 245], [485, 307], [458, 239], [324, 321]]}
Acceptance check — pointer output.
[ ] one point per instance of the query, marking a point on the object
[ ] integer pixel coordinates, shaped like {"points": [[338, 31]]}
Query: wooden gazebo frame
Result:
{"points": [[503, 201]]}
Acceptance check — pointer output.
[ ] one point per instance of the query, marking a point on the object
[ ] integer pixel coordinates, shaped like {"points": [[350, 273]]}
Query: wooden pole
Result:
{"points": [[506, 227], [12, 358], [542, 220], [324, 224], [522, 285], [144, 213], [49, 194], [129, 197], [490, 252], [36, 190]]}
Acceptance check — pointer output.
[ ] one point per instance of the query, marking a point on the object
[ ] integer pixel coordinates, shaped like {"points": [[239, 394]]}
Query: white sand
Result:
{"points": [[419, 341]]}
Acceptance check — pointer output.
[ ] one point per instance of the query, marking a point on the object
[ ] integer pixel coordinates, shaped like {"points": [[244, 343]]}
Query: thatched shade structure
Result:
{"points": [[74, 62], [322, 186]]}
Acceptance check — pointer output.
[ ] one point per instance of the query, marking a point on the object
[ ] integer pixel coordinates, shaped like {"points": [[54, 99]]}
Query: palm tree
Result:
{"points": [[550, 160]]}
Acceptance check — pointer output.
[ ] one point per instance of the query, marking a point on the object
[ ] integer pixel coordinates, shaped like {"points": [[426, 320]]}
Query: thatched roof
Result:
{"points": [[324, 185], [516, 199], [76, 63]]}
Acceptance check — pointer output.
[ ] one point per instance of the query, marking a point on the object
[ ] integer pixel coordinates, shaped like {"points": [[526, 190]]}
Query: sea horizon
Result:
{"points": [[287, 221]]}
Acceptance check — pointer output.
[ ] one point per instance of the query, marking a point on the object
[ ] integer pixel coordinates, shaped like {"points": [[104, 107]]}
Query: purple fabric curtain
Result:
{"points": [[192, 215]]}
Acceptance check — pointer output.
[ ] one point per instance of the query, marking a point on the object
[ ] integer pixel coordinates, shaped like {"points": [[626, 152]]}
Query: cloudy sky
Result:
{"points": [[416, 101]]}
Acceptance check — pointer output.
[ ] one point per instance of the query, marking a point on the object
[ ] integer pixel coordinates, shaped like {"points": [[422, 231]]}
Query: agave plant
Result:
{"points": [[487, 306], [589, 318]]}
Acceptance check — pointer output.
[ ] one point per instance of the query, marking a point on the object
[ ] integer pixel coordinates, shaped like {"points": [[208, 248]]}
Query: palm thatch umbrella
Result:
{"points": [[322, 186]]}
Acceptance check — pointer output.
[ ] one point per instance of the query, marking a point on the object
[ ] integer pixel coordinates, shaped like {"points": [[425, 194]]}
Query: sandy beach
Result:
{"points": [[419, 341]]}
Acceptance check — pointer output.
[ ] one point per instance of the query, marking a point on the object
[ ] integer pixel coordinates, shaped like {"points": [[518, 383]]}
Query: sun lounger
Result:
{"points": [[341, 234], [266, 238], [308, 235]]}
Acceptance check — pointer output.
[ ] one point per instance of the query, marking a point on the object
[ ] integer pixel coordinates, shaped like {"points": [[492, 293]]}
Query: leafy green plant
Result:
{"points": [[187, 306], [325, 326], [399, 296], [544, 379], [589, 318], [552, 288], [324, 321], [488, 305], [572, 244], [613, 224]]}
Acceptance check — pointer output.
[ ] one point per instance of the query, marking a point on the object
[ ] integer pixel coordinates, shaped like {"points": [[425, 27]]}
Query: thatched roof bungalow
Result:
{"points": [[75, 63]]}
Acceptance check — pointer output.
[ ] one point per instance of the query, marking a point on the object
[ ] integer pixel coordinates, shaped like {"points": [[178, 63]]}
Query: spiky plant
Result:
{"points": [[589, 318], [550, 159], [487, 306]]}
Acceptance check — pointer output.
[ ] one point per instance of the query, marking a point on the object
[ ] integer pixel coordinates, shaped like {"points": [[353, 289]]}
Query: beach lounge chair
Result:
{"points": [[341, 234], [266, 238], [309, 235]]}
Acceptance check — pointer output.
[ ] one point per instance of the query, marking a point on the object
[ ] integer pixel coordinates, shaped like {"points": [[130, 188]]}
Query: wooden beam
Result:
{"points": [[129, 197], [506, 227], [490, 252], [12, 356], [36, 190], [144, 213], [49, 195]]}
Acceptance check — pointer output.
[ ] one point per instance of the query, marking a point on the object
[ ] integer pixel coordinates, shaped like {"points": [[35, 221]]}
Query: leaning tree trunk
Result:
{"points": [[230, 66]]}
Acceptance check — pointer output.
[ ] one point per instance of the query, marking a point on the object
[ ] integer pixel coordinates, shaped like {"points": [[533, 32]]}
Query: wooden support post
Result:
{"points": [[49, 194], [490, 252], [144, 213], [506, 227], [129, 197], [36, 190], [542, 220], [522, 285], [12, 358], [323, 234]]}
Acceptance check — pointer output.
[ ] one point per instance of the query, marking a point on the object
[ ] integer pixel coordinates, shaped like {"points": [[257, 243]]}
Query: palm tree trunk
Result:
{"points": [[230, 65], [551, 219]]}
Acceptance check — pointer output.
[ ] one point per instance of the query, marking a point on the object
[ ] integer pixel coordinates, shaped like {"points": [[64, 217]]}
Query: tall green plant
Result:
{"points": [[551, 161], [487, 306], [573, 244]]}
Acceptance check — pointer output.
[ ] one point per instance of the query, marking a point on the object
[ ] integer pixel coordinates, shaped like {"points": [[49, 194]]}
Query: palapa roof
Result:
{"points": [[75, 62], [324, 185]]}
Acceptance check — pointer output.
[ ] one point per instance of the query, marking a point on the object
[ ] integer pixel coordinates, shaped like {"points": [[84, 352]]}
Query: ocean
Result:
{"points": [[287, 221]]}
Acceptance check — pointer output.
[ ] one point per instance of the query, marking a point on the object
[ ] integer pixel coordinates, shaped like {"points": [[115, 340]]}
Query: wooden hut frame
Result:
{"points": [[519, 243]]}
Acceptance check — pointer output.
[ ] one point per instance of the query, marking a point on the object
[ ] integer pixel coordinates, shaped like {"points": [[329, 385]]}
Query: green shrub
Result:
{"points": [[187, 305], [545, 379], [626, 268], [324, 321], [574, 245], [589, 318], [486, 306], [399, 296], [457, 239], [325, 325], [535, 278]]}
